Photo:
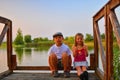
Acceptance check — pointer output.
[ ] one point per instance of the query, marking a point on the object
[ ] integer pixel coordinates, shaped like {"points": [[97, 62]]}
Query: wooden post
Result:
{"points": [[95, 46], [9, 45], [109, 45]]}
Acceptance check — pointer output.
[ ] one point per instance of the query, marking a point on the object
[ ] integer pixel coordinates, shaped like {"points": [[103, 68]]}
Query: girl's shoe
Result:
{"points": [[81, 76], [85, 73]]}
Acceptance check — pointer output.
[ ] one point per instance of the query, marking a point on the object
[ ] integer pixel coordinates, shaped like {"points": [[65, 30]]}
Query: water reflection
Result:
{"points": [[31, 56], [28, 53], [19, 54]]}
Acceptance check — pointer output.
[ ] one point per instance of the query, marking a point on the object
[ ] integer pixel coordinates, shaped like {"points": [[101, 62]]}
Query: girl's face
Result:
{"points": [[79, 40], [58, 40]]}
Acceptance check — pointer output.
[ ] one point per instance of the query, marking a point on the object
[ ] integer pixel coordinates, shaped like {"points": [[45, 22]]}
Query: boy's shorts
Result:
{"points": [[60, 65]]}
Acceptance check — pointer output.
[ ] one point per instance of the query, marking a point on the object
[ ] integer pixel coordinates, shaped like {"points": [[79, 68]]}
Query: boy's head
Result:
{"points": [[58, 38], [57, 34]]}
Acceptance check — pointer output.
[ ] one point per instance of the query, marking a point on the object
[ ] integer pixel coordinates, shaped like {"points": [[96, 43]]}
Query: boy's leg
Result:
{"points": [[66, 61], [53, 63]]}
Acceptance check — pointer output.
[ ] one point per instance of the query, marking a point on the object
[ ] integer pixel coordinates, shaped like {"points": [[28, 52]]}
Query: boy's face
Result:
{"points": [[58, 40]]}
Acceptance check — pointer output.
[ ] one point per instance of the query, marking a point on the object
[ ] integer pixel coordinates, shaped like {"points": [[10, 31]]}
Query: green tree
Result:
{"points": [[89, 37], [45, 39], [19, 38], [36, 40], [27, 39], [103, 36]]}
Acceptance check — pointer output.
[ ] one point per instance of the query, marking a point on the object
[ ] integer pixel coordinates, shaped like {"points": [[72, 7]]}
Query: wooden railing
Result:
{"points": [[111, 25], [7, 30], [11, 59]]}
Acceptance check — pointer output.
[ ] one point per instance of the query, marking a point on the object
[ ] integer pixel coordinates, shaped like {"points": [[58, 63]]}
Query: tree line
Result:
{"points": [[21, 40]]}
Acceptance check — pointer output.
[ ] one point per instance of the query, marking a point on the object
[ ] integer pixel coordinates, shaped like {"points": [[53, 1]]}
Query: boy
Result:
{"points": [[59, 55]]}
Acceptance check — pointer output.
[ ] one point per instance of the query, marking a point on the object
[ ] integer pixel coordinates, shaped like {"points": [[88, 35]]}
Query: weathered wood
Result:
{"points": [[99, 14], [95, 46], [107, 11], [92, 61], [14, 63], [109, 53], [4, 31], [116, 26], [8, 29], [112, 3], [45, 76], [111, 22], [9, 45], [4, 20], [40, 68], [4, 74], [100, 73], [103, 57]]}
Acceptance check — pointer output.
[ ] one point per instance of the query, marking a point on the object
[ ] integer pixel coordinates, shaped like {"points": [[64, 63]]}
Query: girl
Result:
{"points": [[80, 53]]}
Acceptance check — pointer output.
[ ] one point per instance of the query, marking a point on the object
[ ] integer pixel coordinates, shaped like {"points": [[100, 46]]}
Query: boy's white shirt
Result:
{"points": [[59, 50]]}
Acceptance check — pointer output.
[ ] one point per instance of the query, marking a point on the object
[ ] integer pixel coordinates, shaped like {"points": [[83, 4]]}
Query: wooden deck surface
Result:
{"points": [[44, 76]]}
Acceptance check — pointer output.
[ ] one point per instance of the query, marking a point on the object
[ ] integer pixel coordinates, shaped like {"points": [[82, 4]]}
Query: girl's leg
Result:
{"points": [[85, 73], [84, 68], [79, 70]]}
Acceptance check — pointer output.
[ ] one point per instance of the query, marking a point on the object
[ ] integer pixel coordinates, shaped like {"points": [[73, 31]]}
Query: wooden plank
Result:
{"points": [[100, 74], [99, 15], [4, 74], [110, 48], [4, 31], [14, 63], [92, 60], [103, 57], [40, 68], [45, 76], [116, 26], [112, 3], [4, 20], [95, 46], [106, 40], [9, 46]]}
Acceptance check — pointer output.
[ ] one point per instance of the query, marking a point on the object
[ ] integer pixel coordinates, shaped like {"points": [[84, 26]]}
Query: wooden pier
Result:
{"points": [[45, 76], [111, 26]]}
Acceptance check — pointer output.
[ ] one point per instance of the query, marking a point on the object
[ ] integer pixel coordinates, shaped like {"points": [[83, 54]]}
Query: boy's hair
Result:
{"points": [[57, 34]]}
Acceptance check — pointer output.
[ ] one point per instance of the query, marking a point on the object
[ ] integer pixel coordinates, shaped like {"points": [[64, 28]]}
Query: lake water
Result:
{"points": [[27, 57]]}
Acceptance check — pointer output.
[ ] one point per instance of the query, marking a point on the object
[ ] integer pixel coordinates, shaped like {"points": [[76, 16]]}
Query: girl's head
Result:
{"points": [[79, 39]]}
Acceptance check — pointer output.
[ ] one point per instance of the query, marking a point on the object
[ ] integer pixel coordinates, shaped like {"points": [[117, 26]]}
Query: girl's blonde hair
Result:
{"points": [[78, 34]]}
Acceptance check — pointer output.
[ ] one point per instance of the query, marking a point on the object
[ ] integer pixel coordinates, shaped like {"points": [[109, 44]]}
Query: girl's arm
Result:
{"points": [[74, 49], [86, 49]]}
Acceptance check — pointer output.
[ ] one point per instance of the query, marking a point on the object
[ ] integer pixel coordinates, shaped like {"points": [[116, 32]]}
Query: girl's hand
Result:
{"points": [[74, 49], [86, 49]]}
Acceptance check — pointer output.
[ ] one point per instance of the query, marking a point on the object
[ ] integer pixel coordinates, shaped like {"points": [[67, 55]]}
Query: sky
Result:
{"points": [[42, 18]]}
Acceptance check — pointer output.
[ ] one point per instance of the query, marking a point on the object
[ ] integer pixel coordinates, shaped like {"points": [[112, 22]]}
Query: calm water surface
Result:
{"points": [[27, 57]]}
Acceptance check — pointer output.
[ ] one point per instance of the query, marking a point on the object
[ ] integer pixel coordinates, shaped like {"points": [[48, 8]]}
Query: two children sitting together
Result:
{"points": [[60, 56]]}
